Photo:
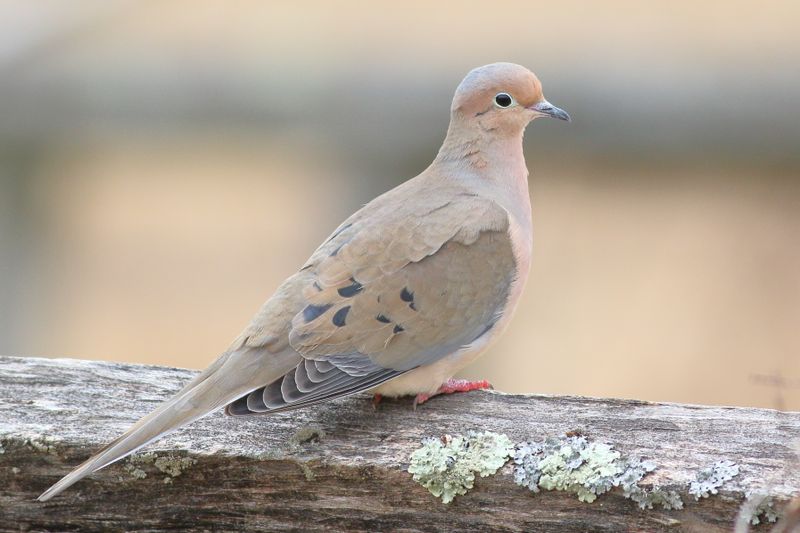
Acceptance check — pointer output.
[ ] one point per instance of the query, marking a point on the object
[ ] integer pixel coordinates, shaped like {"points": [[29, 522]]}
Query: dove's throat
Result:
{"points": [[491, 164], [475, 148]]}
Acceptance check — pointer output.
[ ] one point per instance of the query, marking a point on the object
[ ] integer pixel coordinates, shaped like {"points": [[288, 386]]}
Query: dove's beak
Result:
{"points": [[546, 108]]}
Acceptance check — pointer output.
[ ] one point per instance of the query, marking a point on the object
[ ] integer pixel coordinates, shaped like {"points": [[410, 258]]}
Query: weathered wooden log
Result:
{"points": [[344, 465]]}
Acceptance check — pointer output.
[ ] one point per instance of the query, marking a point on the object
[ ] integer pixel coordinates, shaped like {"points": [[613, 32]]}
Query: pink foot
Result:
{"points": [[453, 385], [376, 399]]}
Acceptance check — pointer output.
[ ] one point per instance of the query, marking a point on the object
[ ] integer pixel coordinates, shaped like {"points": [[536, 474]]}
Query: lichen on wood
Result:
{"points": [[343, 465], [587, 468], [447, 466]]}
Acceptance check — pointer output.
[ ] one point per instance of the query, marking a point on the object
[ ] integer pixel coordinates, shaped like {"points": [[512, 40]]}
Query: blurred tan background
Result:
{"points": [[164, 165]]}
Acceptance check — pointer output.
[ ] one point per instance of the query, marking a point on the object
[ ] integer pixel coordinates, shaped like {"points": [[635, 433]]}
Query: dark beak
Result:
{"points": [[546, 108]]}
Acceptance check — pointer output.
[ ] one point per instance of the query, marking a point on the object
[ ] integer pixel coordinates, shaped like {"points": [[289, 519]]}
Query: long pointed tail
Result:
{"points": [[228, 378]]}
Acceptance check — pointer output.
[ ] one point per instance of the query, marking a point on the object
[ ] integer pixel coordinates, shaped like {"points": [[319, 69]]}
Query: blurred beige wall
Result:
{"points": [[164, 165]]}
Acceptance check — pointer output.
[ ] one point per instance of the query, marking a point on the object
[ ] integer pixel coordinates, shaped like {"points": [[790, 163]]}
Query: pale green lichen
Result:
{"points": [[170, 465], [43, 444], [587, 469], [307, 471], [173, 466], [447, 466], [143, 458], [710, 479], [135, 471], [307, 434], [139, 459]]}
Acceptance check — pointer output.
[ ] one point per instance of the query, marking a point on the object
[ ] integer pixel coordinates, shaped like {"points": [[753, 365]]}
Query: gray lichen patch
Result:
{"points": [[447, 466], [710, 479], [759, 508], [587, 469], [174, 466], [647, 498], [132, 465], [170, 465], [307, 434], [42, 444], [134, 471], [308, 472], [33, 441], [765, 511]]}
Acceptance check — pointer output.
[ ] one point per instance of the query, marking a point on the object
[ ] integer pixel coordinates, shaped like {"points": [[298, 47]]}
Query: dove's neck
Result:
{"points": [[491, 164]]}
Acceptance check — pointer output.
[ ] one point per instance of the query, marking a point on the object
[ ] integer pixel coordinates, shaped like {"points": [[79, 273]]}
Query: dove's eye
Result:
{"points": [[503, 100]]}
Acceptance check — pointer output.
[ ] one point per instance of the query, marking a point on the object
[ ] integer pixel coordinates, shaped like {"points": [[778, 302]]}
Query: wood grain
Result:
{"points": [[342, 466]]}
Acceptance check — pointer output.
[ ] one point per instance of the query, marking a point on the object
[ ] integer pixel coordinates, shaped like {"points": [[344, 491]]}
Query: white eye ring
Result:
{"points": [[503, 100]]}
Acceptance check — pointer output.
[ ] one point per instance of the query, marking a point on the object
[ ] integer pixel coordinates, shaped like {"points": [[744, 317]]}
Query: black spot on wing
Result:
{"points": [[408, 296], [398, 328], [382, 318], [314, 311], [340, 316], [351, 290]]}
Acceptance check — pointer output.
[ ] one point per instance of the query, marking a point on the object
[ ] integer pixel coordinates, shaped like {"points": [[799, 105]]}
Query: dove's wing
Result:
{"points": [[394, 288]]}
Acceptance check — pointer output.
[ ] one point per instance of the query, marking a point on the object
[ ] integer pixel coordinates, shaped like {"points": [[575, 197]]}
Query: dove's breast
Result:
{"points": [[427, 379]]}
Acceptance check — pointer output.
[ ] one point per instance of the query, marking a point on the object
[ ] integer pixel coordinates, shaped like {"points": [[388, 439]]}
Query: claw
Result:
{"points": [[419, 399]]}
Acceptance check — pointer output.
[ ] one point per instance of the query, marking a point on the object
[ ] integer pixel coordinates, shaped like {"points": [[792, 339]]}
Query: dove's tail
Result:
{"points": [[230, 377]]}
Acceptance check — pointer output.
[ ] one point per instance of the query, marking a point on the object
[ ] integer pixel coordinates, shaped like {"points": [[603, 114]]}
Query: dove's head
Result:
{"points": [[503, 98]]}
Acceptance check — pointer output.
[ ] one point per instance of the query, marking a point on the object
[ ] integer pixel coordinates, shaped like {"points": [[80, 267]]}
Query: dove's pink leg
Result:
{"points": [[376, 399], [453, 385]]}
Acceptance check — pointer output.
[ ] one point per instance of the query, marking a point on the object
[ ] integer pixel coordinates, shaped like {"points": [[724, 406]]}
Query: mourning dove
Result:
{"points": [[408, 290]]}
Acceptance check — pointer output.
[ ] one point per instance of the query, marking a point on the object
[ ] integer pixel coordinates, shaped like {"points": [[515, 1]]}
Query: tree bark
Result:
{"points": [[343, 465]]}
